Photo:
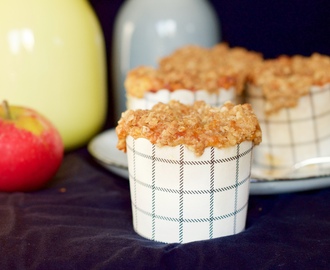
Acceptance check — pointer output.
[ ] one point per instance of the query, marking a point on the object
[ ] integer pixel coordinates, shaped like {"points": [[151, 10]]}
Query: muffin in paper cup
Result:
{"points": [[291, 97], [189, 169], [191, 73]]}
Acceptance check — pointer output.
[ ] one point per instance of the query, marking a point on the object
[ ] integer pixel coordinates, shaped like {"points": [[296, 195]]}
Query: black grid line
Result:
{"points": [[181, 193], [192, 192], [291, 137], [193, 220], [261, 96], [297, 120], [314, 140], [320, 139], [236, 190], [193, 163], [316, 135], [270, 146], [251, 162], [153, 191], [135, 194], [211, 193]]}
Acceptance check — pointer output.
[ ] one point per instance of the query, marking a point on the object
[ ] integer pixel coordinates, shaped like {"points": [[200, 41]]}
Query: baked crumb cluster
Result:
{"points": [[197, 126], [285, 79], [194, 68]]}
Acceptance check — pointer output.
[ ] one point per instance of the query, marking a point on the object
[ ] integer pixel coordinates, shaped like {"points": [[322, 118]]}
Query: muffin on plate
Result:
{"points": [[189, 168], [290, 96], [214, 75]]}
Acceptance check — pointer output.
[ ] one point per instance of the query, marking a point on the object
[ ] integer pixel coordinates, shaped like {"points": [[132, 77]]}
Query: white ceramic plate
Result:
{"points": [[103, 149]]}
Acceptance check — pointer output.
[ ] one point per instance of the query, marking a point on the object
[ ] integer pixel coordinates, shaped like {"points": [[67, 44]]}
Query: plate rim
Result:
{"points": [[254, 181]]}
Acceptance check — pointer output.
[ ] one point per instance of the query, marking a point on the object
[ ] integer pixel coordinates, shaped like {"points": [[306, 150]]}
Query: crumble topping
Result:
{"points": [[197, 126], [194, 68], [285, 79]]}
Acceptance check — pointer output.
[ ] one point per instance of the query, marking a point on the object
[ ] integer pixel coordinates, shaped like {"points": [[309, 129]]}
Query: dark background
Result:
{"points": [[267, 26], [82, 219]]}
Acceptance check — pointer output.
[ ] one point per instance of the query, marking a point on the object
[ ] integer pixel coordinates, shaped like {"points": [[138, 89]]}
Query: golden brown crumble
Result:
{"points": [[194, 68], [285, 79], [197, 126]]}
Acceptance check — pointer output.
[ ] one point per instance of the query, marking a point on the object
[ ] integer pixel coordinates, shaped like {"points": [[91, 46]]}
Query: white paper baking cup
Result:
{"points": [[184, 96], [178, 197], [294, 134]]}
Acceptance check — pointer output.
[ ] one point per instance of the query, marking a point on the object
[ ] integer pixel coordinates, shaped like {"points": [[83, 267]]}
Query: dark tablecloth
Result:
{"points": [[82, 220]]}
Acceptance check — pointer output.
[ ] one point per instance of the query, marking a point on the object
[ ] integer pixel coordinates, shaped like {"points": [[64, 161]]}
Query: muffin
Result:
{"points": [[290, 96], [191, 73], [189, 168]]}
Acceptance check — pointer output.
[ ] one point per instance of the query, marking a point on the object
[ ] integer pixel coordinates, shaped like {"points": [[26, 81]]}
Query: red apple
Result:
{"points": [[31, 149]]}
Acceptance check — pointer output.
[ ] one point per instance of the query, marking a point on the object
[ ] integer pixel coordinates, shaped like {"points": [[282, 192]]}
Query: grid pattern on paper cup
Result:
{"points": [[293, 134], [178, 197], [184, 96]]}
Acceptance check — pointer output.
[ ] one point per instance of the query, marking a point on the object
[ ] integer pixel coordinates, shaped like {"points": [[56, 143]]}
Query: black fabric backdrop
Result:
{"points": [[82, 219], [270, 27]]}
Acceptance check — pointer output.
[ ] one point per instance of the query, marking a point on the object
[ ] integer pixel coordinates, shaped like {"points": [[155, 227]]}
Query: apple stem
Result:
{"points": [[7, 110]]}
